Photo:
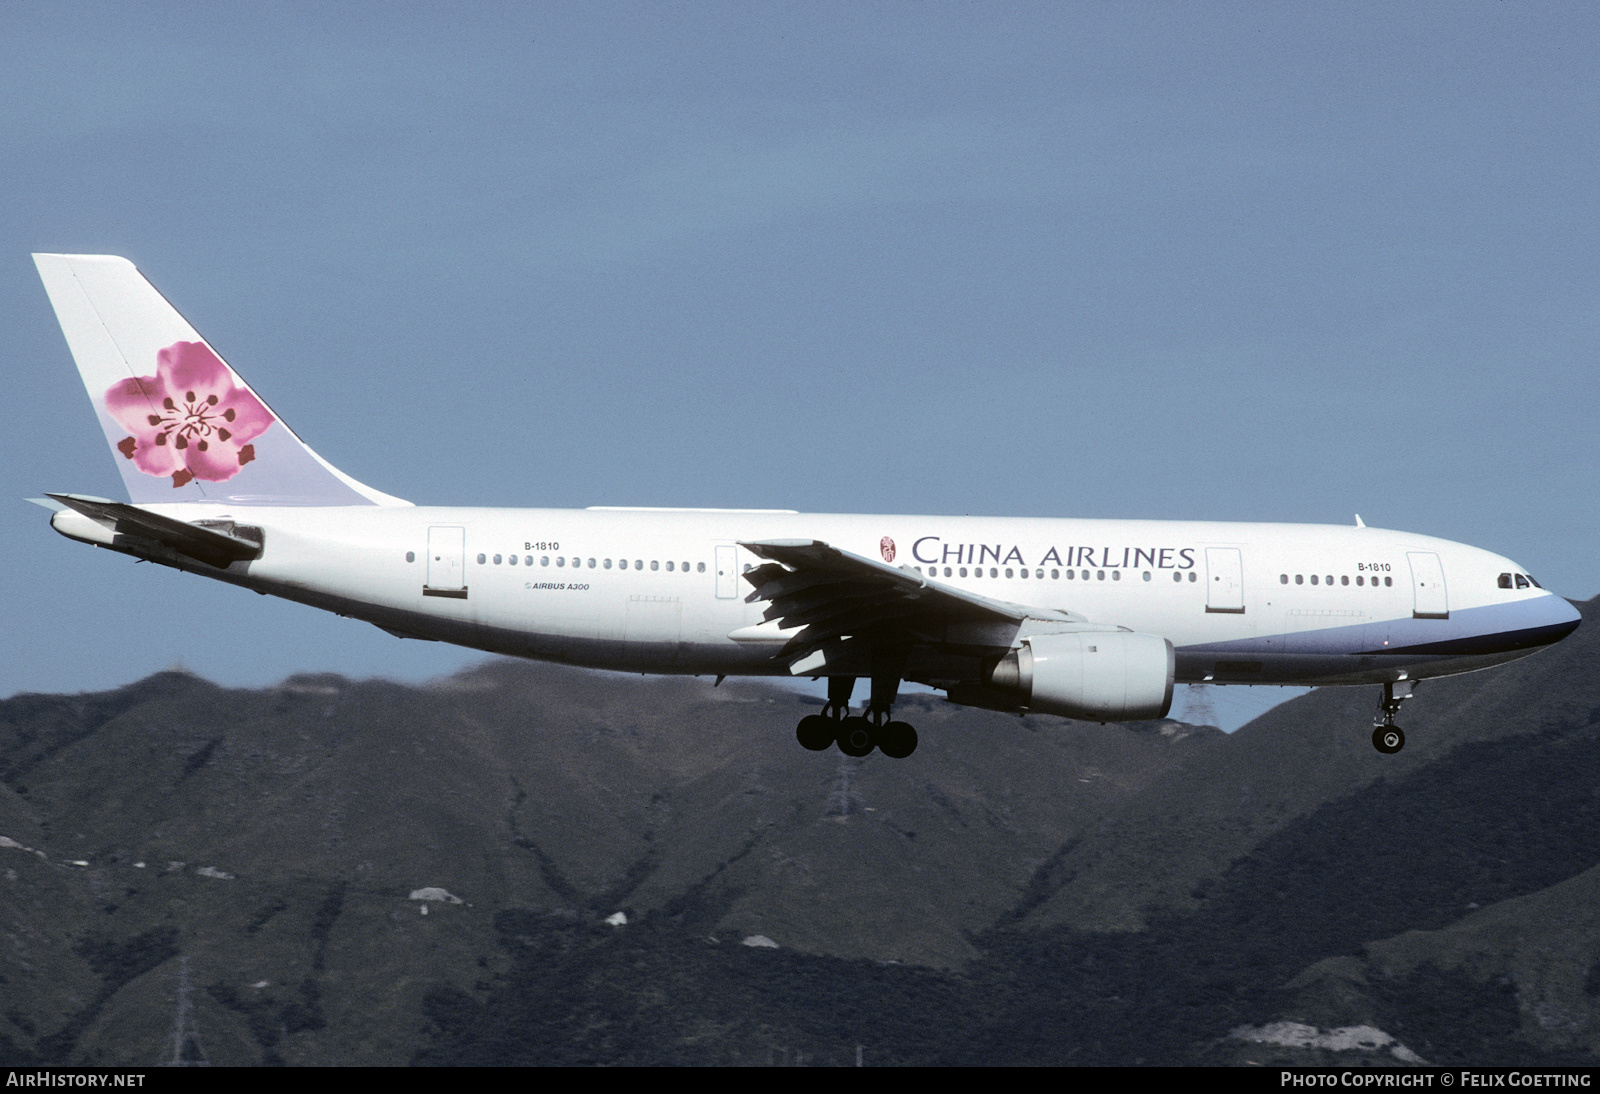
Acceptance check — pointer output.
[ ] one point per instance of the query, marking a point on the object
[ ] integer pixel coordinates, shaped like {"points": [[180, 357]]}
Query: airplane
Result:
{"points": [[1088, 619]]}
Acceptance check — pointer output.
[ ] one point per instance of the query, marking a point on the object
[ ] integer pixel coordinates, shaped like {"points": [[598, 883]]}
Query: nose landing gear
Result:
{"points": [[857, 735], [1387, 737]]}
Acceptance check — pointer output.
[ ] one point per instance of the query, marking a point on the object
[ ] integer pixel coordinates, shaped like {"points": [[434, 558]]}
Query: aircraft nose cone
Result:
{"points": [[1564, 618], [1544, 621]]}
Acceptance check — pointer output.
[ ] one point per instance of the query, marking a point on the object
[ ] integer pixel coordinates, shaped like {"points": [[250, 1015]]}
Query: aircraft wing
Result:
{"points": [[832, 594]]}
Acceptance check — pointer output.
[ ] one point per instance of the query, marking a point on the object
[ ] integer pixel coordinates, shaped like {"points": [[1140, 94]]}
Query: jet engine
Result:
{"points": [[1104, 676]]}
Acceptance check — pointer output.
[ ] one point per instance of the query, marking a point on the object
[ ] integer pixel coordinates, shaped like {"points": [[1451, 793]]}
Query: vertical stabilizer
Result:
{"points": [[182, 425]]}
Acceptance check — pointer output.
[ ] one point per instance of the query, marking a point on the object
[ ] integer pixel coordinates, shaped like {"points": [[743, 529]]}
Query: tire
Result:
{"points": [[1388, 739], [815, 732], [856, 737], [897, 740]]}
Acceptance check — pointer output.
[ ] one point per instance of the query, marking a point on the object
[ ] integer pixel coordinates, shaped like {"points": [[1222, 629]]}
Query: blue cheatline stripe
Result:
{"points": [[1492, 628]]}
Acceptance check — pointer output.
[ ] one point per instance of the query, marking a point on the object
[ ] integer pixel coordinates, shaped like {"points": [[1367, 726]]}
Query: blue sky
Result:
{"points": [[1241, 262]]}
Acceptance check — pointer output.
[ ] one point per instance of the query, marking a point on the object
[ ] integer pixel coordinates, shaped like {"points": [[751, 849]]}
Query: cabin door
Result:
{"points": [[727, 572], [1427, 583], [447, 562], [1224, 580]]}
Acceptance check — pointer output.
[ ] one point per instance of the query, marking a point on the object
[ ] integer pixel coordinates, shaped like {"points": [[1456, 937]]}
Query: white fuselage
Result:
{"points": [[1081, 618], [661, 590]]}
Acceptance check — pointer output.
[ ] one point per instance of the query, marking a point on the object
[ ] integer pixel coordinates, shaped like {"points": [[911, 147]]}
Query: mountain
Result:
{"points": [[367, 872], [1167, 846]]}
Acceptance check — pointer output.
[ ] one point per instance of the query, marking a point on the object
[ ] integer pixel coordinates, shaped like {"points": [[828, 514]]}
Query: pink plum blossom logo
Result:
{"points": [[886, 548], [190, 420]]}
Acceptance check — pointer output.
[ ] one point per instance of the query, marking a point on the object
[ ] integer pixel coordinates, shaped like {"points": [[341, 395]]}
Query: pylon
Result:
{"points": [[187, 1051]]}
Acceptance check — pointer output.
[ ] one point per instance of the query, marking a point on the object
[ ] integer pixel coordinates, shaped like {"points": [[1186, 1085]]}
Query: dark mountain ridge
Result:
{"points": [[1022, 890]]}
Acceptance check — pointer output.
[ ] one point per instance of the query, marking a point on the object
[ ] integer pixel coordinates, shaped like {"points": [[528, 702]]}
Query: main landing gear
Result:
{"points": [[858, 734], [1387, 737]]}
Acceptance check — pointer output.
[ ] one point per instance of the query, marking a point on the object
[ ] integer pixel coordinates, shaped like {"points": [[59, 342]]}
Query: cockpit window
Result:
{"points": [[1522, 581], [1535, 581], [1505, 581]]}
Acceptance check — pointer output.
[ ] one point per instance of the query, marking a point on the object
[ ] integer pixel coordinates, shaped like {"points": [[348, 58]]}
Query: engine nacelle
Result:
{"points": [[1102, 676]]}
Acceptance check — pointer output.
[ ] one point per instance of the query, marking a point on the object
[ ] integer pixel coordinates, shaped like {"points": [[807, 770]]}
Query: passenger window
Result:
{"points": [[560, 561], [1283, 579], [512, 560], [1116, 575], [1023, 574], [482, 559], [527, 560], [607, 564], [699, 567], [591, 564], [1176, 576], [544, 560], [1039, 574], [1328, 580], [1008, 571], [1055, 575], [1100, 575], [411, 556], [1360, 580], [1313, 579], [1299, 579], [1192, 577], [622, 564], [1147, 575], [947, 571], [669, 567], [1344, 579], [1389, 581], [655, 564], [684, 566], [963, 571]]}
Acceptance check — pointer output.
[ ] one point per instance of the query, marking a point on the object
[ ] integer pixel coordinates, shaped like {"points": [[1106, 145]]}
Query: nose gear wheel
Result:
{"points": [[1387, 737]]}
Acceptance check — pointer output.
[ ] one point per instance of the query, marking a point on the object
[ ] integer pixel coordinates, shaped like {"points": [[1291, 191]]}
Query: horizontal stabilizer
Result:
{"points": [[219, 546]]}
